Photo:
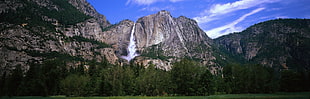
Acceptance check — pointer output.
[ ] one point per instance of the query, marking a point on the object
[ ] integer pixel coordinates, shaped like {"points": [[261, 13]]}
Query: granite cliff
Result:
{"points": [[33, 31], [281, 43], [161, 36], [162, 39]]}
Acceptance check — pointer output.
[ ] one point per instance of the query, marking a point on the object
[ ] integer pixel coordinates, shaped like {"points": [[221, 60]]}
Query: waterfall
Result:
{"points": [[131, 49]]}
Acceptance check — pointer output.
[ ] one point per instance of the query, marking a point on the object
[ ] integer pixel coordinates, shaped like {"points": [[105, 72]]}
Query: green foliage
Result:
{"points": [[201, 48], [249, 79], [293, 81], [14, 81], [155, 52], [153, 82], [279, 95], [74, 85], [65, 13], [114, 79], [187, 77], [51, 55], [191, 79], [224, 57], [273, 40], [109, 27], [32, 13], [289, 39], [27, 14], [294, 23], [83, 39], [41, 79]]}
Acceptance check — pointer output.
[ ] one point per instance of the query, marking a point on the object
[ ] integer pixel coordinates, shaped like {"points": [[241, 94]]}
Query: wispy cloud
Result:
{"points": [[231, 27], [221, 11], [148, 2], [238, 5]]}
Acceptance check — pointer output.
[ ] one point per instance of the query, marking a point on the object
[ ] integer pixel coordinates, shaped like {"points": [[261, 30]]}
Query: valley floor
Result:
{"points": [[279, 95]]}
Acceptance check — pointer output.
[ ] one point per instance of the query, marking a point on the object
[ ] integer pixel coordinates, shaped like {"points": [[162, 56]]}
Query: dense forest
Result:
{"points": [[187, 77]]}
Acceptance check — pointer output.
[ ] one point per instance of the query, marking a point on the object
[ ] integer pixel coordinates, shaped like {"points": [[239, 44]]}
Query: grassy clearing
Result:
{"points": [[280, 95]]}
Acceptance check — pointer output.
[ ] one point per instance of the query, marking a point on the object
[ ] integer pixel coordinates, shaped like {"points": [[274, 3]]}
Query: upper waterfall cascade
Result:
{"points": [[131, 49]]}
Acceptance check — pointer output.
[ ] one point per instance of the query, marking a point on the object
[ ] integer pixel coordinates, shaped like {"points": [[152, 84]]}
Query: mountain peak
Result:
{"points": [[280, 43], [164, 12], [84, 7]]}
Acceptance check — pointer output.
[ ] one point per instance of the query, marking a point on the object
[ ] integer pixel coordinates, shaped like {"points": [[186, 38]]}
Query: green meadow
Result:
{"points": [[279, 95]]}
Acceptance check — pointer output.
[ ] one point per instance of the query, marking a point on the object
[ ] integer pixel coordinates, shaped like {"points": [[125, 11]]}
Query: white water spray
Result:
{"points": [[131, 50]]}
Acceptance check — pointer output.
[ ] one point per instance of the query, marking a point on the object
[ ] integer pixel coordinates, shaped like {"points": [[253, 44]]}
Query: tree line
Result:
{"points": [[186, 77]]}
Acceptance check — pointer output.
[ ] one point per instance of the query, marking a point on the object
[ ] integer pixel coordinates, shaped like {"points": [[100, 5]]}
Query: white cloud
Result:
{"points": [[230, 28], [238, 5], [148, 2], [205, 19], [220, 11]]}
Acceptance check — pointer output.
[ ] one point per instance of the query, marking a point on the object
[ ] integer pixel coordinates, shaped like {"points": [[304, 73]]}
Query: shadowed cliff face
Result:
{"points": [[33, 31], [281, 43]]}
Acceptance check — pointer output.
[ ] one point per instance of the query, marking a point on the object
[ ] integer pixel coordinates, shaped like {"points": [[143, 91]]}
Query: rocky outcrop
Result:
{"points": [[7, 5], [25, 42], [281, 43], [158, 63], [162, 36], [86, 8], [161, 39], [89, 29], [154, 29], [118, 36], [22, 46]]}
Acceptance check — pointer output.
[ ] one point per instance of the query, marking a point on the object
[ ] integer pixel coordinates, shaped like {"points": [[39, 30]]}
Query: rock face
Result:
{"points": [[33, 31], [118, 36], [30, 34], [282, 43], [161, 36], [86, 8]]}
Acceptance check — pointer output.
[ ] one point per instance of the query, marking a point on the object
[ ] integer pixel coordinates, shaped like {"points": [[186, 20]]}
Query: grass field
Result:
{"points": [[297, 95]]}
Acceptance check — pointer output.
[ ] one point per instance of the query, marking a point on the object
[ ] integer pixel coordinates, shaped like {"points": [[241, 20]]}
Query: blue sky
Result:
{"points": [[215, 17]]}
